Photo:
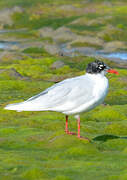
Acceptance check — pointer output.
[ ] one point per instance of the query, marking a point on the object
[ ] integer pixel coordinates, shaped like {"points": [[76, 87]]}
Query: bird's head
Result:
{"points": [[97, 67]]}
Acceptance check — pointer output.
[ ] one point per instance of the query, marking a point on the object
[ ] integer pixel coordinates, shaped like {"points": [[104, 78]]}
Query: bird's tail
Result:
{"points": [[25, 106], [16, 106]]}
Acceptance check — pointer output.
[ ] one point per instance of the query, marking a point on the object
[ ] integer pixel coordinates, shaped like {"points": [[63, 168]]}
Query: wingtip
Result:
{"points": [[7, 107], [11, 107]]}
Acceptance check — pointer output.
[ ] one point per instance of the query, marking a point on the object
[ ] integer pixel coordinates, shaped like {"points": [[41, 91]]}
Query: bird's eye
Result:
{"points": [[100, 67]]}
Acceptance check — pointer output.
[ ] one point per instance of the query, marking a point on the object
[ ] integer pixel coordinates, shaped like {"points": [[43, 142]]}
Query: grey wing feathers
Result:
{"points": [[51, 97], [63, 96], [45, 91], [38, 95], [43, 101]]}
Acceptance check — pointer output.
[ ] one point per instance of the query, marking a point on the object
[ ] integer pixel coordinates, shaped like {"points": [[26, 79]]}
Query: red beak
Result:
{"points": [[112, 71]]}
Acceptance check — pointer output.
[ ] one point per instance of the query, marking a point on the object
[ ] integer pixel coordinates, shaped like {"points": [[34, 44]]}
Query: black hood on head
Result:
{"points": [[95, 67]]}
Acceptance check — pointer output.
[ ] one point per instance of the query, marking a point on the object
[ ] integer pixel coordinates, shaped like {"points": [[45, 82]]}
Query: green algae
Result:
{"points": [[34, 173], [81, 28], [23, 20], [35, 50], [38, 140], [34, 144]]}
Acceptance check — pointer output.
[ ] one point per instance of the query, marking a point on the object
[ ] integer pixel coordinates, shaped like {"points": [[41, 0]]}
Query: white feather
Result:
{"points": [[71, 96]]}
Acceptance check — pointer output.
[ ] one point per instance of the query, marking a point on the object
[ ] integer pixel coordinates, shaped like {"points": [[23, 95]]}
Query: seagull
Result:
{"points": [[71, 96]]}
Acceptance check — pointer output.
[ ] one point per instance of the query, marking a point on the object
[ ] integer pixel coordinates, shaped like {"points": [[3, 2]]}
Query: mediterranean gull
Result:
{"points": [[71, 96]]}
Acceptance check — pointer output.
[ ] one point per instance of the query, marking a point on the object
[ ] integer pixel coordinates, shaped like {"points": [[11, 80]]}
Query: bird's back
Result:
{"points": [[69, 96]]}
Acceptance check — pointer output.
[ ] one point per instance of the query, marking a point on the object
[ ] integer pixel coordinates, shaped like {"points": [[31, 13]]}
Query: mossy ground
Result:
{"points": [[33, 145]]}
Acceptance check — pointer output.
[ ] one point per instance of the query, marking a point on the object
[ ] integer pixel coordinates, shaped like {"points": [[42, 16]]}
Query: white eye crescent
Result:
{"points": [[100, 67]]}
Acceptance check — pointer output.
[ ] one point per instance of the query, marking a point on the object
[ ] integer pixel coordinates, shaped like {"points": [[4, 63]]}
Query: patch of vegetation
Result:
{"points": [[22, 34], [85, 44], [79, 27], [23, 20], [114, 35], [35, 50]]}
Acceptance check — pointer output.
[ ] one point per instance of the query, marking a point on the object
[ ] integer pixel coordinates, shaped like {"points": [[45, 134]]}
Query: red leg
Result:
{"points": [[78, 121], [66, 128]]}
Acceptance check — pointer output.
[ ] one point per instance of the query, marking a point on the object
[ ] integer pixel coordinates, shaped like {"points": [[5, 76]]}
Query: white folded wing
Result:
{"points": [[61, 97]]}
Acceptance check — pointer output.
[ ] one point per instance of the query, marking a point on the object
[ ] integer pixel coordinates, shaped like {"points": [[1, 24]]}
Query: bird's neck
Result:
{"points": [[98, 75]]}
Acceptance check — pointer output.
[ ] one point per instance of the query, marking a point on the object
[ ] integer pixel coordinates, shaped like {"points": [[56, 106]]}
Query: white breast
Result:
{"points": [[100, 90]]}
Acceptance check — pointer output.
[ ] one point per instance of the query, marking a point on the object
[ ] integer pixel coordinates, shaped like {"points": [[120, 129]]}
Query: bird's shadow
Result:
{"points": [[106, 137]]}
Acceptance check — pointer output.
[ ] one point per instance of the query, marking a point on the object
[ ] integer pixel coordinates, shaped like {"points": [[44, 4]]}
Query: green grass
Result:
{"points": [[34, 144], [81, 28], [22, 20], [35, 50], [22, 34]]}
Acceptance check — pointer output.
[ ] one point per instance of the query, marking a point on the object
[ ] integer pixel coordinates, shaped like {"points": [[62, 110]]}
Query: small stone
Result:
{"points": [[46, 32], [6, 14], [63, 33], [7, 56], [52, 48], [57, 64], [15, 74], [113, 46]]}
